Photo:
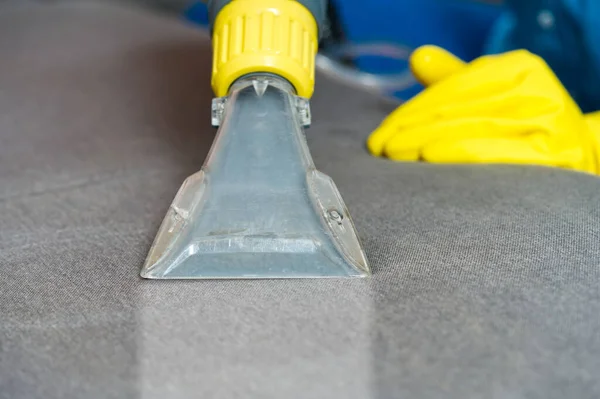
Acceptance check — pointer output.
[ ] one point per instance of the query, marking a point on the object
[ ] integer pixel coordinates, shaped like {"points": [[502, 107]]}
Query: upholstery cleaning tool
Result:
{"points": [[258, 208]]}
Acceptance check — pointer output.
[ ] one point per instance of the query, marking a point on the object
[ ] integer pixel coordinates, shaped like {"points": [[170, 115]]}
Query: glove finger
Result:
{"points": [[413, 140], [380, 136], [420, 111], [499, 150], [495, 150], [432, 64]]}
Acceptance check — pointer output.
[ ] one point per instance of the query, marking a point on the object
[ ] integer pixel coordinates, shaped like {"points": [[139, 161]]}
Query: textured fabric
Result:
{"points": [[486, 279]]}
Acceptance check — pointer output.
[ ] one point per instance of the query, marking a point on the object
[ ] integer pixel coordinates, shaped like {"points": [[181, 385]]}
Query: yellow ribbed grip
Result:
{"points": [[273, 36]]}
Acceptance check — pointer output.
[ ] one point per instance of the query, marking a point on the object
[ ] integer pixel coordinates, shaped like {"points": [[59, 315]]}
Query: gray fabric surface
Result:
{"points": [[486, 279]]}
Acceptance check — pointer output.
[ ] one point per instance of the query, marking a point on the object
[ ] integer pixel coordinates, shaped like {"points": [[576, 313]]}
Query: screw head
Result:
{"points": [[335, 216]]}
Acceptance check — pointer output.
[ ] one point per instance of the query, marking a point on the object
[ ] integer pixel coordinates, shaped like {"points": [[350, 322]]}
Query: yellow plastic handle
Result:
{"points": [[272, 36]]}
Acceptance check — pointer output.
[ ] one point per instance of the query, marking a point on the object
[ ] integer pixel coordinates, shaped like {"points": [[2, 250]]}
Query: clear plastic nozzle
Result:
{"points": [[258, 208]]}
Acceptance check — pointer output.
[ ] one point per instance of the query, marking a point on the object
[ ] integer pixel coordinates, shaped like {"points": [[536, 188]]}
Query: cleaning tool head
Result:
{"points": [[258, 208]]}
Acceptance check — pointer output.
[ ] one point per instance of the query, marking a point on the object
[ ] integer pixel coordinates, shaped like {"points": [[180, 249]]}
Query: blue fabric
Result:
{"points": [[197, 13], [566, 33]]}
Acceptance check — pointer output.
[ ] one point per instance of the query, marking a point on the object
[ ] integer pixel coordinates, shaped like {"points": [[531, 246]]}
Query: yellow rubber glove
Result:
{"points": [[507, 108]]}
